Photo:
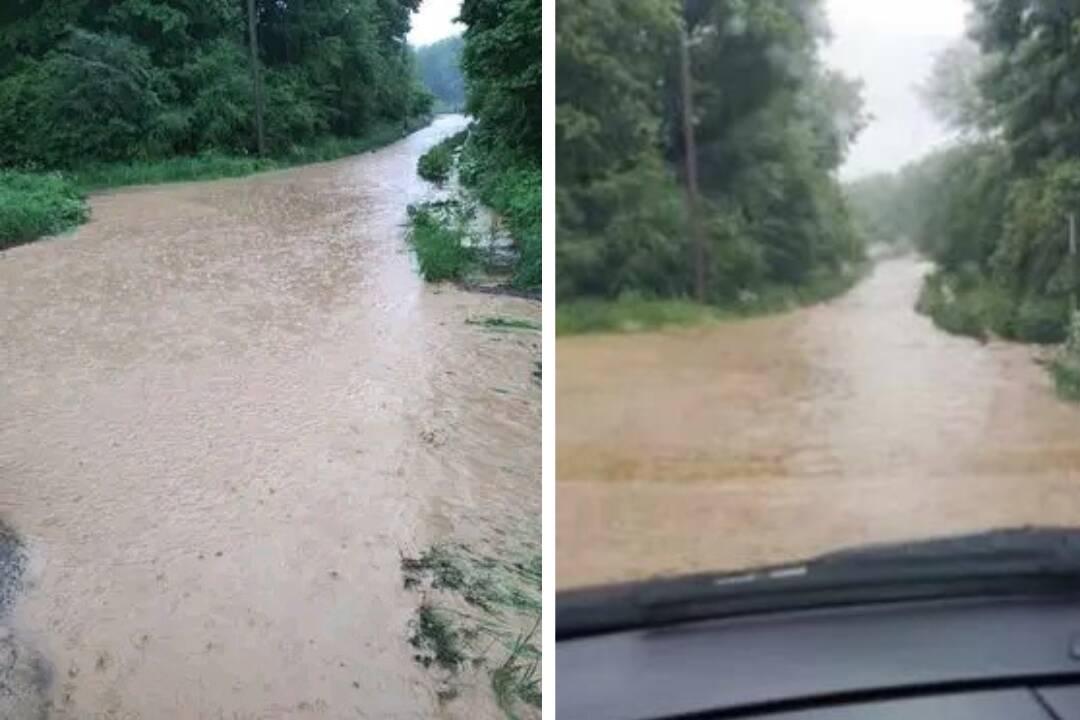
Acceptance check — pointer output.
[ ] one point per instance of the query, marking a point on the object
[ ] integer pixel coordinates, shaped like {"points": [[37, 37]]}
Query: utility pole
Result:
{"points": [[1073, 240], [256, 76], [691, 169]]}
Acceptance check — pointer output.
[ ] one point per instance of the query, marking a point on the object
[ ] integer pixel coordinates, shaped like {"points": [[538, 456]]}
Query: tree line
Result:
{"points": [[440, 69], [771, 124], [88, 80], [993, 209], [501, 163]]}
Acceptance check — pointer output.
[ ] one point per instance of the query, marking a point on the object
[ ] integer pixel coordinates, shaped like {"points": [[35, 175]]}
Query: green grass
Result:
{"points": [[1065, 369], [437, 232], [436, 640], [36, 204], [214, 166], [602, 316], [505, 323], [517, 680], [1066, 375], [512, 187], [435, 165], [969, 305], [627, 315], [502, 594]]}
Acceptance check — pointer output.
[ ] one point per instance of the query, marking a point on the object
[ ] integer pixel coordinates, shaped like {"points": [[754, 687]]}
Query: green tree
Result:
{"points": [[440, 69]]}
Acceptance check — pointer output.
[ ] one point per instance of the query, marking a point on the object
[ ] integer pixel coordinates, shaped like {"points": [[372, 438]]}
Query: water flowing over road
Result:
{"points": [[226, 410], [778, 438]]}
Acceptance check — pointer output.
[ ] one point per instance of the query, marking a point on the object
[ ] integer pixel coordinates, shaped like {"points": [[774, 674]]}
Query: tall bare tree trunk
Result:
{"points": [[690, 150], [256, 77]]}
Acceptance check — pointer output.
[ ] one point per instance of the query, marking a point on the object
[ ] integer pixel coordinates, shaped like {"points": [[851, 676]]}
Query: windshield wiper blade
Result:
{"points": [[1000, 563]]}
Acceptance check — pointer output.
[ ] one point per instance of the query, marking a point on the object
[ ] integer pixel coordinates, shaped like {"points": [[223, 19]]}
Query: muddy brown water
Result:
{"points": [[226, 410], [779, 438]]}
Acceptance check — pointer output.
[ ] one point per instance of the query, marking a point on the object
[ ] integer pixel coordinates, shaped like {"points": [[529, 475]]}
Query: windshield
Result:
{"points": [[816, 266]]}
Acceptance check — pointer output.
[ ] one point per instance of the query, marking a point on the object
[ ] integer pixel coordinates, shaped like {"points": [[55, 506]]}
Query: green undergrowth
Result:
{"points": [[213, 166], [631, 314], [36, 204], [479, 614], [968, 305], [439, 233], [512, 187], [504, 181], [1065, 369], [437, 163]]}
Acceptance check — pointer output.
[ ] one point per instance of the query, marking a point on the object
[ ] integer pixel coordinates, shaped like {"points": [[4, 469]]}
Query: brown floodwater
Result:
{"points": [[778, 438], [226, 410]]}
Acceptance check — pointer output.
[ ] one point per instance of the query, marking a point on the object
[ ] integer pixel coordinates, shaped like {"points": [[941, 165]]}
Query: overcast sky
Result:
{"points": [[435, 21], [890, 45]]}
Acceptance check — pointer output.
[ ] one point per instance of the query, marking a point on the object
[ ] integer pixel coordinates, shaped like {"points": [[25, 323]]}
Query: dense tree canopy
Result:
{"points": [[440, 69], [90, 80], [502, 63], [503, 69], [993, 211], [771, 123]]}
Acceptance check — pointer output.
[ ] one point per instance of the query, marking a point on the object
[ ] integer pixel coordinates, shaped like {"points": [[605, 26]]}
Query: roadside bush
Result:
{"points": [[958, 313], [512, 187], [437, 233], [435, 165], [963, 304], [1041, 320], [33, 205], [96, 96], [1066, 367]]}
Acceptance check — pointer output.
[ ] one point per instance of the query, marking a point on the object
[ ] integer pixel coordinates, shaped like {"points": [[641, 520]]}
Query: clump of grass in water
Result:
{"points": [[435, 165], [12, 565], [505, 593], [438, 234], [504, 323], [518, 678], [436, 639]]}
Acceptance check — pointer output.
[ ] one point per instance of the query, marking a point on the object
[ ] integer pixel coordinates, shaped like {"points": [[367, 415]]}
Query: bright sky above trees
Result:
{"points": [[891, 47]]}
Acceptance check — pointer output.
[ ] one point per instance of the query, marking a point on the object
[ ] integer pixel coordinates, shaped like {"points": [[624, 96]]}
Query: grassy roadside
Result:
{"points": [[512, 188], [437, 164], [627, 315], [969, 305], [451, 245], [1065, 368], [36, 204]]}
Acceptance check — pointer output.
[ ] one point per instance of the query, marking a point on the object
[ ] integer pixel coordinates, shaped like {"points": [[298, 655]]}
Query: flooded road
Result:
{"points": [[227, 410], [778, 438]]}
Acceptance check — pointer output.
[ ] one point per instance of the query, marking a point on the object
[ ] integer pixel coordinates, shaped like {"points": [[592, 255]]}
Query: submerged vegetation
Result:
{"points": [[482, 614], [505, 323], [499, 161], [435, 165], [439, 233]]}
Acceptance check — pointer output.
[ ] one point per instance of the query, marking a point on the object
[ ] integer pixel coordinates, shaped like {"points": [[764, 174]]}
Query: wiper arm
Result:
{"points": [[1008, 562]]}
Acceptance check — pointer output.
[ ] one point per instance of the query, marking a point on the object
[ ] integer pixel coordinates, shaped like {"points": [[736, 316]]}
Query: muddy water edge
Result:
{"points": [[227, 411], [774, 439]]}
